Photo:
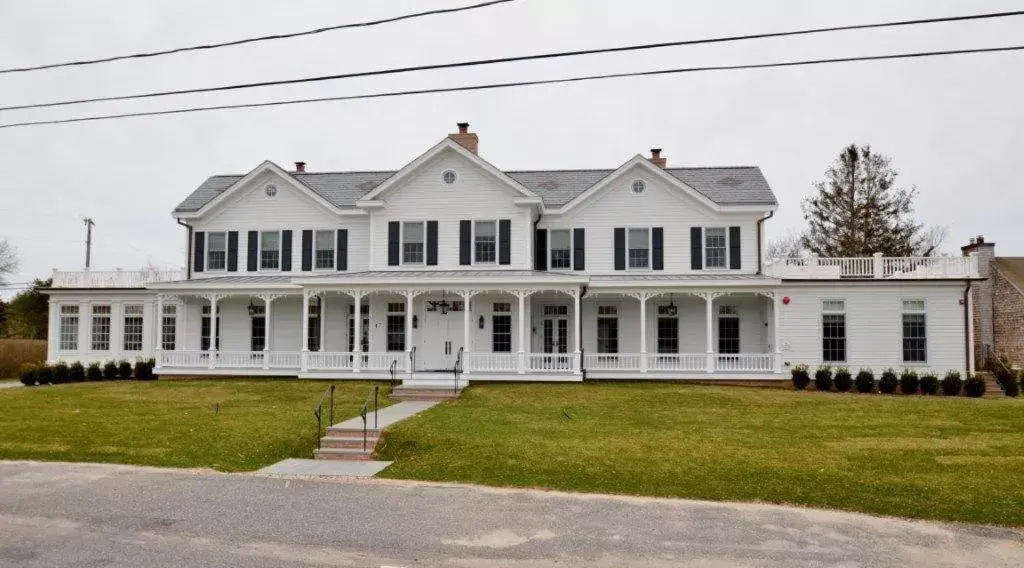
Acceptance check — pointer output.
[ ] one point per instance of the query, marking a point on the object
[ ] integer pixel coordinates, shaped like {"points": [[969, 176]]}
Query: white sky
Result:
{"points": [[954, 126]]}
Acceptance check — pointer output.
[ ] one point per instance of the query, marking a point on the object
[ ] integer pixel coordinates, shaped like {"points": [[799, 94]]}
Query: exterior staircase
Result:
{"points": [[426, 393], [347, 444]]}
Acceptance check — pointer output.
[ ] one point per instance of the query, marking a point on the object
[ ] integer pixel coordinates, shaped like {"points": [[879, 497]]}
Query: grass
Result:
{"points": [[170, 423], [955, 459], [16, 352]]}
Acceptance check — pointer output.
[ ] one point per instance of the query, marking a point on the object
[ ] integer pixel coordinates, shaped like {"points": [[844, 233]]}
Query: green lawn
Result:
{"points": [[170, 423], [913, 456]]}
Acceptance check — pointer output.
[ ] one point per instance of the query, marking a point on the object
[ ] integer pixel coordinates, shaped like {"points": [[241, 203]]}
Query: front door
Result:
{"points": [[440, 335], [364, 333], [556, 335]]}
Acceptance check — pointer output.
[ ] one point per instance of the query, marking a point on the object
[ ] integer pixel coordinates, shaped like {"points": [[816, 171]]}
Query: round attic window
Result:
{"points": [[270, 191], [638, 186], [449, 177]]}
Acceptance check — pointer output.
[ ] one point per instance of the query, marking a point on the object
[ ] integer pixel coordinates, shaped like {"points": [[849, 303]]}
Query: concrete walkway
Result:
{"points": [[388, 415], [294, 467], [10, 384]]}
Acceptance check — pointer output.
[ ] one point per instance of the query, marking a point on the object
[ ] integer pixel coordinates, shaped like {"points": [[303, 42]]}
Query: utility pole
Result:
{"points": [[88, 239]]}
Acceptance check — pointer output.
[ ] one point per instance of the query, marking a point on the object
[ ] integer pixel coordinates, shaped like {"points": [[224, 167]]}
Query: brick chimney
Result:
{"points": [[983, 296], [465, 138], [300, 167], [656, 158]]}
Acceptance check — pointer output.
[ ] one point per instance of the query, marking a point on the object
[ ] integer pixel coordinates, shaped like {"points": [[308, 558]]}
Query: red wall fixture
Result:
{"points": [[785, 300]]}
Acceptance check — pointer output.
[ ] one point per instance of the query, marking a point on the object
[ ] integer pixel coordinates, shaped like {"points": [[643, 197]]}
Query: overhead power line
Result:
{"points": [[477, 62], [481, 87], [244, 41]]}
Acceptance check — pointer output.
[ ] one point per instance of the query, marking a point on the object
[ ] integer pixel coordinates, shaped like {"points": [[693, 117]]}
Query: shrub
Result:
{"points": [[1010, 386], [14, 353], [951, 384], [865, 381], [823, 378], [76, 372], [61, 373], [143, 371], [929, 383], [974, 386], [909, 382], [888, 382], [110, 370], [124, 370], [843, 380], [800, 377], [28, 374], [94, 372], [1005, 376], [44, 374], [151, 363]]}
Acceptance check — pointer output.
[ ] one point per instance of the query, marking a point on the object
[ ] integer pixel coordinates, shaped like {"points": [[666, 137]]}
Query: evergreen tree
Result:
{"points": [[859, 210], [27, 314]]}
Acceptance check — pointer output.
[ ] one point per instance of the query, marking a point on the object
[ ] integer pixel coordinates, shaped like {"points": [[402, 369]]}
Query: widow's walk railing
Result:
{"points": [[876, 266]]}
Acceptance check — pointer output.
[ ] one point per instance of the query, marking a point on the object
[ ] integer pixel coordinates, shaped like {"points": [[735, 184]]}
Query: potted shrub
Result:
{"points": [[823, 378], [28, 374], [61, 373], [929, 383], [124, 370], [865, 381], [843, 380], [800, 377], [110, 370], [76, 372], [974, 386], [94, 372], [44, 374], [888, 382], [909, 382], [951, 384]]}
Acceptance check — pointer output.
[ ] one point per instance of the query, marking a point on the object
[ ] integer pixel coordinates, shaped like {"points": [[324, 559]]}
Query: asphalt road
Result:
{"points": [[95, 516]]}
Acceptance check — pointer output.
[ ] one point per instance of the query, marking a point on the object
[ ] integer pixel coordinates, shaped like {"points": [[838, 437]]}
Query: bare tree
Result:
{"points": [[788, 245], [9, 263], [931, 240]]}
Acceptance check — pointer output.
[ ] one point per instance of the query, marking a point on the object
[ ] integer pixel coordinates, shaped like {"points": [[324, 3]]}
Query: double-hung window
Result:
{"points": [[833, 331], [501, 328], [638, 246], [169, 321], [915, 332], [715, 247], [485, 242], [413, 242], [216, 251], [561, 249], [101, 328], [607, 329], [205, 328], [270, 250], [396, 326], [323, 257], [133, 327], [69, 328]]}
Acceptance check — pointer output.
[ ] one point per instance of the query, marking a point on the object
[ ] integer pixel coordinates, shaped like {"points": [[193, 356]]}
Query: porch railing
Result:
{"points": [[381, 361], [876, 266], [745, 362], [549, 362], [191, 358], [611, 361], [491, 362], [330, 361], [239, 359], [116, 278], [680, 362]]}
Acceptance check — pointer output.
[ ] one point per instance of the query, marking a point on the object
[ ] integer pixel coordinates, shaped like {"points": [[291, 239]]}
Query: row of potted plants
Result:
{"points": [[907, 382], [60, 373]]}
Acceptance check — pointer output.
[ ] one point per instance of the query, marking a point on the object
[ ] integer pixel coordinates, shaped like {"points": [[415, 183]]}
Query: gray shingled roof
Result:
{"points": [[740, 185]]}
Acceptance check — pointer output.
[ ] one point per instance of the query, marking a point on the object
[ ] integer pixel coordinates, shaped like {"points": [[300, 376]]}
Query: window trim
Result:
{"points": [[401, 242], [334, 249], [822, 312], [109, 315], [61, 317], [209, 251], [164, 317], [497, 241], [924, 312], [494, 330], [650, 249], [551, 249], [704, 249], [259, 249], [728, 311], [125, 316]]}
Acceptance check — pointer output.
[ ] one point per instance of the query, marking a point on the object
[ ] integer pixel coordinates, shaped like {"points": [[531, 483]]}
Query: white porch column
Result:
{"points": [[467, 316], [643, 331], [268, 301], [158, 349], [304, 364], [576, 331], [709, 299], [970, 331], [213, 329], [409, 296], [776, 309], [357, 328], [521, 362]]}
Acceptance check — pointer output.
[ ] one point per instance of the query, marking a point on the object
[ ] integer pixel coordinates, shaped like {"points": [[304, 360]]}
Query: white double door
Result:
{"points": [[440, 338]]}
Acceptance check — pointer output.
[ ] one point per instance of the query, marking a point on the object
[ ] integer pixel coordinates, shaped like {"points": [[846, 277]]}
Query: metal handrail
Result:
{"points": [[393, 369], [374, 392], [412, 364], [457, 370], [993, 356], [318, 412]]}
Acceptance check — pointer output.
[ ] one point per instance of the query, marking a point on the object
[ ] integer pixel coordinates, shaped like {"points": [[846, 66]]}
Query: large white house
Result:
{"points": [[643, 271]]}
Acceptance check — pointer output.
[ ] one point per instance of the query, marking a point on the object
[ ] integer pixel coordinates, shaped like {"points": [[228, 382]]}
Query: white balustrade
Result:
{"points": [[745, 362], [382, 361], [116, 278], [330, 360], [877, 266], [680, 362], [491, 362], [549, 362], [285, 359], [239, 359], [193, 358], [611, 361]]}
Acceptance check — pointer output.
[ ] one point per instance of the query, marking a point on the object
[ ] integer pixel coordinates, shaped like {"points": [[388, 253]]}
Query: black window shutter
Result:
{"points": [[198, 251], [307, 250], [394, 234], [465, 242], [579, 248], [286, 250], [657, 248], [734, 248], [620, 248], [696, 249], [253, 246], [431, 243], [504, 241], [341, 262], [232, 251], [540, 249]]}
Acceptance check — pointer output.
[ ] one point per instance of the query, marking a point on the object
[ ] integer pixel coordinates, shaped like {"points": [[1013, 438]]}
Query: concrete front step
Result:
{"points": [[425, 394], [344, 454], [335, 432], [350, 442]]}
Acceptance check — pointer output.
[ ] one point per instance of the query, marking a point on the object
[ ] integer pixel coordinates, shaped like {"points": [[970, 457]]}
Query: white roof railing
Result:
{"points": [[874, 267], [116, 278]]}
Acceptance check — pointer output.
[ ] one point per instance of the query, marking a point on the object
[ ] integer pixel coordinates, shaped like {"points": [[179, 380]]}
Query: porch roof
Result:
{"points": [[444, 277], [257, 282], [652, 280]]}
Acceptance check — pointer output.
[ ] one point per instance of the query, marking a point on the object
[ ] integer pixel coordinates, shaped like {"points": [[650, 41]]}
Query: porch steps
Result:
{"points": [[344, 441], [426, 393]]}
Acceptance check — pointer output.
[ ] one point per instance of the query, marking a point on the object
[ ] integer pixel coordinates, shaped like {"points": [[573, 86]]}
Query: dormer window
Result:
{"points": [[216, 251], [270, 250]]}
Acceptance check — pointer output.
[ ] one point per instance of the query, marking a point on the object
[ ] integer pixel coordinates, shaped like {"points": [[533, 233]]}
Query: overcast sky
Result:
{"points": [[954, 126]]}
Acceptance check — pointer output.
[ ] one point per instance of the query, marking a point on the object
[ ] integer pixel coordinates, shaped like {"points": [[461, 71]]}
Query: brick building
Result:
{"points": [[998, 304]]}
